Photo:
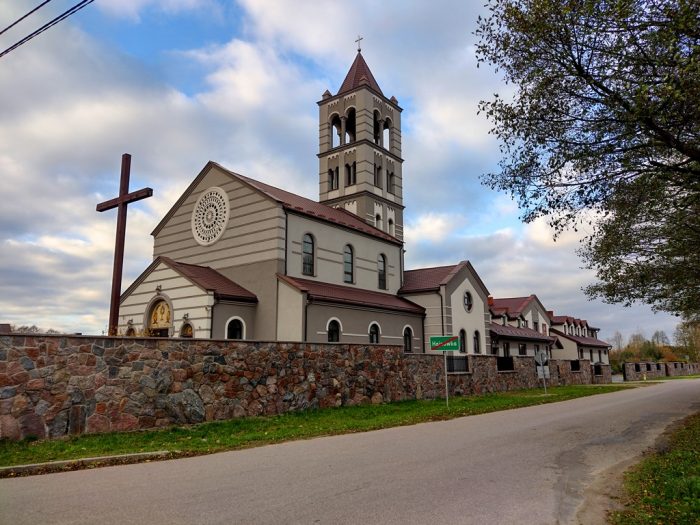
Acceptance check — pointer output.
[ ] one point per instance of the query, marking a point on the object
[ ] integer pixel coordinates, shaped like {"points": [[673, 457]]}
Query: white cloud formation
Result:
{"points": [[72, 104]]}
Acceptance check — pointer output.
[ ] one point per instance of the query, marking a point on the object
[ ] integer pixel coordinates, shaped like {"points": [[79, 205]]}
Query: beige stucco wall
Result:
{"points": [[355, 323], [433, 323], [226, 311], [183, 296], [290, 318], [254, 233], [469, 321], [261, 279], [330, 241]]}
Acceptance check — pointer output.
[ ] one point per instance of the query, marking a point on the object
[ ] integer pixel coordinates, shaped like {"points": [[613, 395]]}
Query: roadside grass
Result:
{"points": [[665, 487], [245, 432], [696, 376]]}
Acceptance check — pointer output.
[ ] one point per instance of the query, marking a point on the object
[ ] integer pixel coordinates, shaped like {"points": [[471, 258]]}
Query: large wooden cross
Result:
{"points": [[120, 203]]}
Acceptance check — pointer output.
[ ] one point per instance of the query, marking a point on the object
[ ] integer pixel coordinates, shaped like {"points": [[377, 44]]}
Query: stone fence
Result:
{"points": [[51, 386], [648, 370]]}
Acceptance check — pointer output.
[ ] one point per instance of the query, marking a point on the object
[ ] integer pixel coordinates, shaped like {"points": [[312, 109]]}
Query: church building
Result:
{"points": [[236, 258]]}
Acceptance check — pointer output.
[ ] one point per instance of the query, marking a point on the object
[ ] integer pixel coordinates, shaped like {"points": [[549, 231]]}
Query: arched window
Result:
{"points": [[391, 181], [378, 125], [377, 176], [159, 319], [378, 221], [381, 271], [331, 180], [348, 175], [353, 174], [350, 126], [386, 134], [463, 341], [333, 331], [407, 340], [235, 329], [307, 249], [347, 264], [468, 301], [374, 333], [477, 342], [335, 131], [390, 223]]}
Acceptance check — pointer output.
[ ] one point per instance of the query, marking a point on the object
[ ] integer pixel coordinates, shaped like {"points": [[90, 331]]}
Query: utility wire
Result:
{"points": [[13, 24], [77, 7]]}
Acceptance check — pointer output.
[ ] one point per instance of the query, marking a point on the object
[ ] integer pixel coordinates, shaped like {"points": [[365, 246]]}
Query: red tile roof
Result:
{"points": [[211, 280], [583, 341], [350, 295], [511, 332], [358, 75], [299, 204], [426, 279], [513, 306]]}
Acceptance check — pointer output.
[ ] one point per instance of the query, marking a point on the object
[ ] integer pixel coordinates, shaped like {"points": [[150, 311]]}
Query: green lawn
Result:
{"points": [[665, 487], [254, 431]]}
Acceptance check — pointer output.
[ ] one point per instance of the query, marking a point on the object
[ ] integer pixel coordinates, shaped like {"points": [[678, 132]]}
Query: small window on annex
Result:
{"points": [[333, 331], [307, 255], [463, 341], [477, 342], [234, 329], [468, 301], [381, 271], [347, 264], [374, 333], [407, 340], [522, 349]]}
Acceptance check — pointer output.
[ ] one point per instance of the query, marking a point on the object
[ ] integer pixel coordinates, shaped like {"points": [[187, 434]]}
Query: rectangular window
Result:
{"points": [[506, 349], [535, 326], [522, 349]]}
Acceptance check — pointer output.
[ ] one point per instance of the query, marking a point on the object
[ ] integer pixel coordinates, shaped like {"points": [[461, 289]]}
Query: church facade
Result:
{"points": [[236, 258]]}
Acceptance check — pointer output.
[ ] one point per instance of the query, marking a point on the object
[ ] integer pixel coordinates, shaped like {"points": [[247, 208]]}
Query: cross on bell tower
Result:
{"points": [[360, 164]]}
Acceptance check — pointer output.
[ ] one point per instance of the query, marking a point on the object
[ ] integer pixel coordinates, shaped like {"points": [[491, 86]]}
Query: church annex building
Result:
{"points": [[235, 258]]}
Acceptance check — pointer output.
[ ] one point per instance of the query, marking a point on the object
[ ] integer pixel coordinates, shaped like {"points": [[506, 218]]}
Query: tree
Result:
{"points": [[687, 337], [604, 131], [660, 338], [617, 340]]}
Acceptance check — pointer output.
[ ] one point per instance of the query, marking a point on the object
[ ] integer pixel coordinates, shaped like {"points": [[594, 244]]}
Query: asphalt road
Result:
{"points": [[532, 465]]}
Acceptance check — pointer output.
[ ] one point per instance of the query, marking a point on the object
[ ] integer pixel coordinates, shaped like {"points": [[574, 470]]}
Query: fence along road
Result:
{"points": [[530, 465]]}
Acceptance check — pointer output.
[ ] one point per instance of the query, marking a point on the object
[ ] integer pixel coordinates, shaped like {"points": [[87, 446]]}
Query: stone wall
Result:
{"points": [[648, 370], [51, 386]]}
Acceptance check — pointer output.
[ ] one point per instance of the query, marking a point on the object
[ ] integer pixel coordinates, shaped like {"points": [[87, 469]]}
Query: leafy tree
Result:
{"points": [[687, 337], [617, 340], [604, 131]]}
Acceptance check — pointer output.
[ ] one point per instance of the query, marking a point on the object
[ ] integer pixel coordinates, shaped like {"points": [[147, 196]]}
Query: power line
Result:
{"points": [[13, 24], [77, 7]]}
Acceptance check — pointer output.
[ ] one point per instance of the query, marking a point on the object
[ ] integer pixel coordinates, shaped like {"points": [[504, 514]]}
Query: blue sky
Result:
{"points": [[179, 82]]}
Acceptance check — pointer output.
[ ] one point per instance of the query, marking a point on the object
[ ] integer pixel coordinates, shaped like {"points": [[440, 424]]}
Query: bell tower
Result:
{"points": [[360, 164]]}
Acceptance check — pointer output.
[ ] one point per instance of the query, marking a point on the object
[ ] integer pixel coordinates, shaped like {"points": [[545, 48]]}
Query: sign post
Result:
{"points": [[542, 370], [445, 344]]}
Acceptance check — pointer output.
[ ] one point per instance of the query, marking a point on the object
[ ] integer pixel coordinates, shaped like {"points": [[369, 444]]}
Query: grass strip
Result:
{"points": [[244, 432], [665, 487]]}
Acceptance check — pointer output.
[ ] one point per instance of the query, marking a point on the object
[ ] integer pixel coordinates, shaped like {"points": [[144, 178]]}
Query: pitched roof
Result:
{"points": [[336, 293], [299, 204], [359, 75], [426, 279], [211, 280], [583, 341], [512, 332], [513, 306]]}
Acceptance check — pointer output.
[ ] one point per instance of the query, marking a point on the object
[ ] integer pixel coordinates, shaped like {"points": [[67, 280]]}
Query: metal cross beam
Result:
{"points": [[359, 39], [120, 203]]}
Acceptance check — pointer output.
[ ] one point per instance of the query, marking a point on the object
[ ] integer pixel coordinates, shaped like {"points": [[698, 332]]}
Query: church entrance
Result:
{"points": [[159, 319]]}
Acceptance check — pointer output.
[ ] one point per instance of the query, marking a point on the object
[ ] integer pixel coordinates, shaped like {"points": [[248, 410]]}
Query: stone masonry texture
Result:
{"points": [[648, 370], [52, 386]]}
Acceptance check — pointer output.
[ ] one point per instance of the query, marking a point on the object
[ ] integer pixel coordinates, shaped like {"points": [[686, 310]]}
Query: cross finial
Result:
{"points": [[359, 39]]}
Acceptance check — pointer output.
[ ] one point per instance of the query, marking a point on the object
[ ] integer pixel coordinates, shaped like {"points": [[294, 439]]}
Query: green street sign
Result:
{"points": [[449, 343]]}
